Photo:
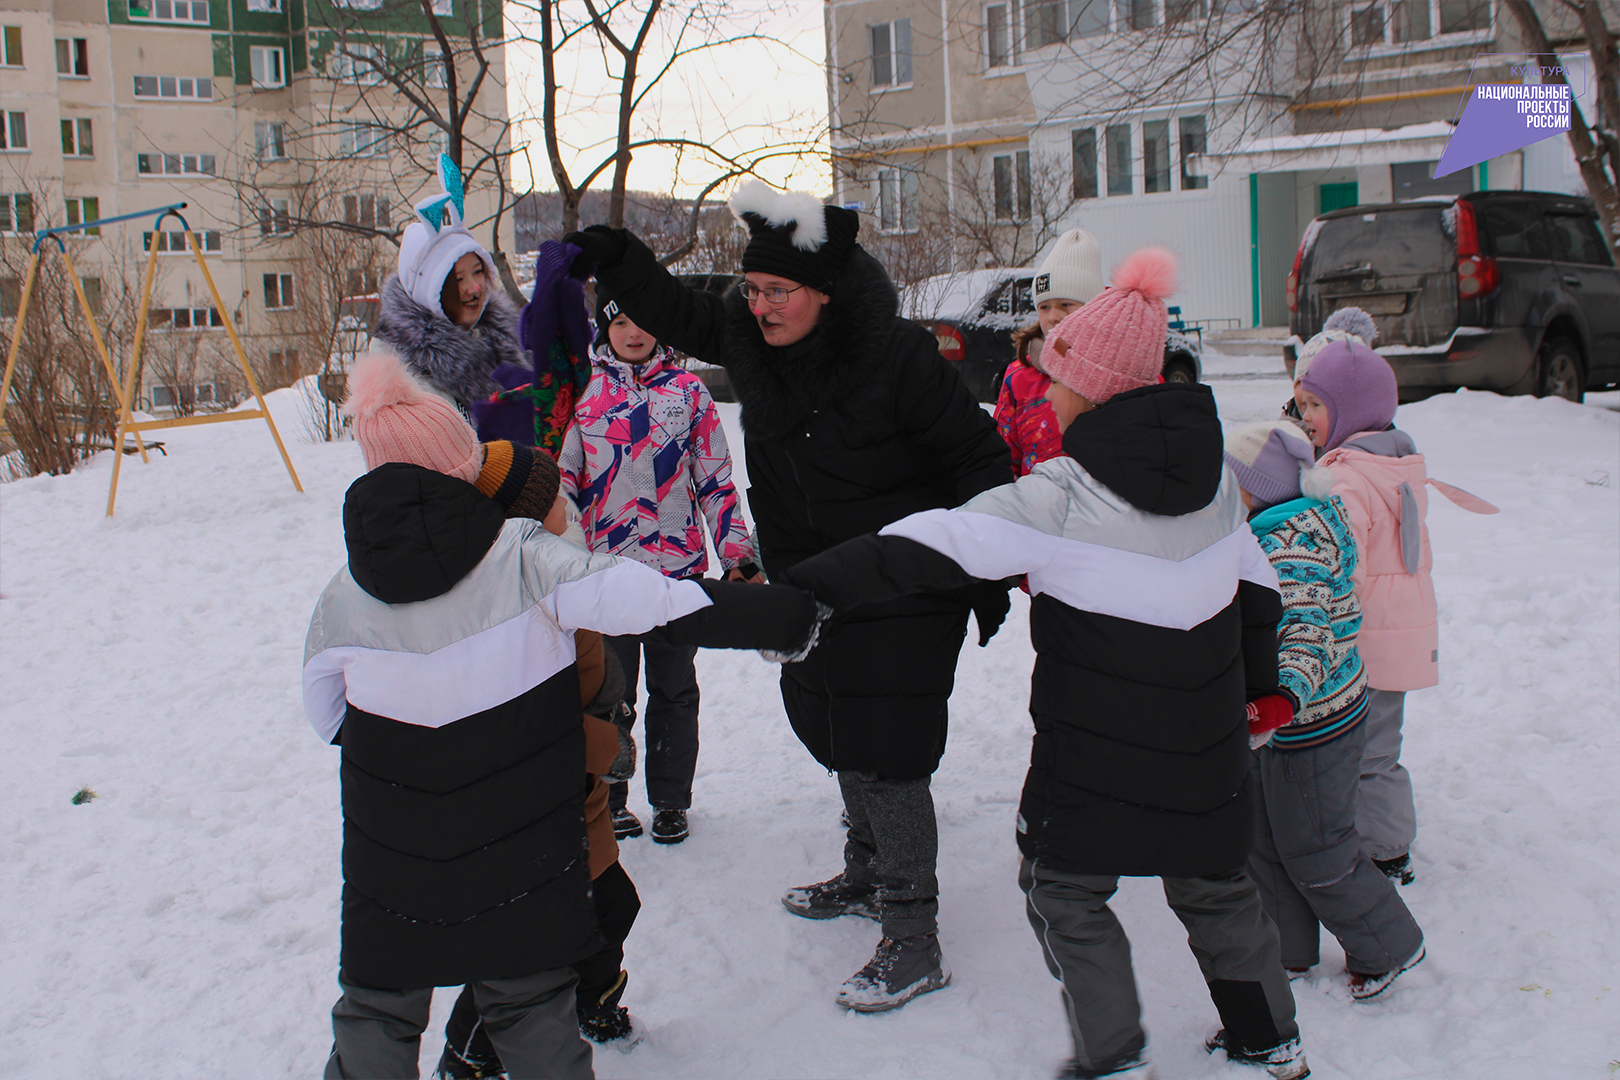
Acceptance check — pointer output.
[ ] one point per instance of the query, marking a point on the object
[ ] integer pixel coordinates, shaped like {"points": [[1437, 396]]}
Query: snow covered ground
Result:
{"points": [[184, 922]]}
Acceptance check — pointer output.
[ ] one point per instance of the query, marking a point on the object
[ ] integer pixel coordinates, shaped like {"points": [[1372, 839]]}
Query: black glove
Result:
{"points": [[990, 605], [599, 246]]}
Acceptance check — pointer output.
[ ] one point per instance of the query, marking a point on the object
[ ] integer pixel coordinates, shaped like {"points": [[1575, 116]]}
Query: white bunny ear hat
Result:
{"points": [[436, 240]]}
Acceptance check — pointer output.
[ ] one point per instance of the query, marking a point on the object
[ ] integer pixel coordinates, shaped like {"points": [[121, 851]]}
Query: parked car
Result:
{"points": [[974, 313], [1512, 291]]}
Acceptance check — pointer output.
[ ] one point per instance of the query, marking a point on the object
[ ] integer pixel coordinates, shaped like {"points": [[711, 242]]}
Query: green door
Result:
{"points": [[1335, 196]]}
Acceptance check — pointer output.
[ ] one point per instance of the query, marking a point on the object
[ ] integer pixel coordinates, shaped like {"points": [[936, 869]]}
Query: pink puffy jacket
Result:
{"points": [[1382, 481]]}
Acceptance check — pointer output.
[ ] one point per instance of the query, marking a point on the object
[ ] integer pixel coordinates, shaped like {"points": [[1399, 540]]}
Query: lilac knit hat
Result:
{"points": [[396, 418], [1357, 386], [1267, 457], [1116, 342]]}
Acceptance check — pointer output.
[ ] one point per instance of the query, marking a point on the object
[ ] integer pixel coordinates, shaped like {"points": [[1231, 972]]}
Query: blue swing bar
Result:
{"points": [[161, 212]]}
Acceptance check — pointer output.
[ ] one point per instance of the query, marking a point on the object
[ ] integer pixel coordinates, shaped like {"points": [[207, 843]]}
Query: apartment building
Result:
{"points": [[1217, 128], [246, 111]]}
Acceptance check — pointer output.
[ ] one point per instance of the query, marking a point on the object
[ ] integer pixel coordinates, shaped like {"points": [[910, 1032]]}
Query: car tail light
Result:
{"points": [[1292, 288], [949, 339], [1476, 274]]}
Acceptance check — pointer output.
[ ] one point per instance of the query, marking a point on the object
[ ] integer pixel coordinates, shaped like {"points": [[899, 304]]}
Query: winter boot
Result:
{"points": [[453, 1066], [1366, 987], [897, 972], [625, 824], [607, 1022], [1399, 869], [831, 898], [1285, 1061], [669, 826]]}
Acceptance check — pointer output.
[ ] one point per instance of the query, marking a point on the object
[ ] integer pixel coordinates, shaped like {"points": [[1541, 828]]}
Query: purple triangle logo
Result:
{"points": [[1502, 117]]}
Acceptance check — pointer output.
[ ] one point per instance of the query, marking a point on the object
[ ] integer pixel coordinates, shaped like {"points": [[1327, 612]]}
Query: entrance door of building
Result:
{"points": [[1336, 196]]}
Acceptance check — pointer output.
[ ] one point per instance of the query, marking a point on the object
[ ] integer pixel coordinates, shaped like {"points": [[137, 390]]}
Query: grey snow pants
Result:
{"points": [[1087, 951], [530, 1021], [1309, 861], [1386, 818], [893, 843]]}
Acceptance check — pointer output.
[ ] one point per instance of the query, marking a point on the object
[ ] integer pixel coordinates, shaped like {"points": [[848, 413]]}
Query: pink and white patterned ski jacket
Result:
{"points": [[644, 454]]}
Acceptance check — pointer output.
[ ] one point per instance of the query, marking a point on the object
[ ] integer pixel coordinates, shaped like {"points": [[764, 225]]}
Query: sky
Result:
{"points": [[740, 96]]}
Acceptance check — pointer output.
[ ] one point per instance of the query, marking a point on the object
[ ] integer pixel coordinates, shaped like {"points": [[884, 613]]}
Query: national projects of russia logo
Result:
{"points": [[1498, 118]]}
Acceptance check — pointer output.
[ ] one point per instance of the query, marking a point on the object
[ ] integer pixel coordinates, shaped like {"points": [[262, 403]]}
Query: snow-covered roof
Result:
{"points": [[1329, 149]]}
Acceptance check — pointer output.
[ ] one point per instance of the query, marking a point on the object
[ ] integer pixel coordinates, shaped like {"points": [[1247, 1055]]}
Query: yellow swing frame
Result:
{"points": [[127, 424]]}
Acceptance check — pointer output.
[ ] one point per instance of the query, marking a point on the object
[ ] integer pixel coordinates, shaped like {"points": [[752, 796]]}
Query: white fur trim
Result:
{"points": [[799, 209], [1316, 483]]}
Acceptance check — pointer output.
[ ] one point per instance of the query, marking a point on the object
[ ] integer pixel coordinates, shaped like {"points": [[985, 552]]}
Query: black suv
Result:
{"points": [[973, 314], [1512, 291]]}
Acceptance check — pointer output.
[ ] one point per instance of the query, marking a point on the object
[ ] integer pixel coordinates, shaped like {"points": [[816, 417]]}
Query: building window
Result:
{"points": [[76, 140], [1399, 22], [73, 57], [275, 218], [897, 200], [14, 132], [1179, 12], [362, 140], [1083, 144], [353, 63], [278, 291], [433, 74], [186, 11], [283, 365], [1194, 140], [358, 5], [16, 214], [266, 64], [891, 53], [370, 211], [84, 209], [92, 293], [1001, 35], [1143, 14], [270, 139], [1010, 175], [264, 5], [173, 242], [443, 7], [174, 87], [1119, 159], [362, 283], [185, 318], [11, 54], [1155, 156], [168, 397], [175, 164]]}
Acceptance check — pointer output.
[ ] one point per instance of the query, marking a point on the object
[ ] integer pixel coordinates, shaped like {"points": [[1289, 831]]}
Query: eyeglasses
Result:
{"points": [[770, 296]]}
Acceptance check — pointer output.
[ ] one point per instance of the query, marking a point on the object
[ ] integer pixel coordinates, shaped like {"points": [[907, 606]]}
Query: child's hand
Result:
{"points": [[1267, 714], [746, 572], [556, 519]]}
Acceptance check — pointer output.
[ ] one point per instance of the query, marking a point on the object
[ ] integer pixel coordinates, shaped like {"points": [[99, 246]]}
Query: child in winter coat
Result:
{"points": [[1345, 324], [1154, 618], [442, 661], [1307, 856], [1347, 400], [1070, 276], [645, 462], [524, 483], [444, 312]]}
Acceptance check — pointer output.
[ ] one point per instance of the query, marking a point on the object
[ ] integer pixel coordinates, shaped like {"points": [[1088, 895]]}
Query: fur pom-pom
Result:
{"points": [[378, 380], [1150, 271], [1353, 320], [1315, 482], [803, 211]]}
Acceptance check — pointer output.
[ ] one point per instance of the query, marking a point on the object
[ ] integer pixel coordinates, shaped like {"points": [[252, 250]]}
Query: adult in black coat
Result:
{"points": [[851, 420]]}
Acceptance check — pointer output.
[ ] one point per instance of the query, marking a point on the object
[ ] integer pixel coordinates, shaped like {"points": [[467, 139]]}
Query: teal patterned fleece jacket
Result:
{"points": [[1310, 545]]}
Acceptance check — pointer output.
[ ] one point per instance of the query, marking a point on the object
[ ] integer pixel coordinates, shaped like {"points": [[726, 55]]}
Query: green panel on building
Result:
{"points": [[222, 56], [1336, 196]]}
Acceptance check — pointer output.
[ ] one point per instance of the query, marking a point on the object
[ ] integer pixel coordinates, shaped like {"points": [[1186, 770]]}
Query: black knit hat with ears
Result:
{"points": [[793, 235]]}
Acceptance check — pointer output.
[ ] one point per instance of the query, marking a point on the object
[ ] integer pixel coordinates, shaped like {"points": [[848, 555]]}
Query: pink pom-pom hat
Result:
{"points": [[396, 418], [1116, 342]]}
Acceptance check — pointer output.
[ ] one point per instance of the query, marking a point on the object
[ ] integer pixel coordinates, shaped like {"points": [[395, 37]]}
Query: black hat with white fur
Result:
{"points": [[793, 235]]}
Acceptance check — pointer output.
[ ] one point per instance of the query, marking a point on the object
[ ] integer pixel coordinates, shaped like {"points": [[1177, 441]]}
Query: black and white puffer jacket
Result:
{"points": [[455, 362], [441, 660], [1153, 617]]}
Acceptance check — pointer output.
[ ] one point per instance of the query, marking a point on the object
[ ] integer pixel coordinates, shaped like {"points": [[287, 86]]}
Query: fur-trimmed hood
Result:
{"points": [[453, 361], [778, 386]]}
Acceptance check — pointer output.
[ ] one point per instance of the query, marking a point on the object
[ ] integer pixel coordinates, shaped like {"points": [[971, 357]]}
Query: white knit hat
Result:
{"points": [[1072, 271], [433, 243]]}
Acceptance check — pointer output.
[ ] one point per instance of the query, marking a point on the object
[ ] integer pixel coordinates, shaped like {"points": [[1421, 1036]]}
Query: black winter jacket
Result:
{"points": [[855, 426], [1153, 617], [441, 660]]}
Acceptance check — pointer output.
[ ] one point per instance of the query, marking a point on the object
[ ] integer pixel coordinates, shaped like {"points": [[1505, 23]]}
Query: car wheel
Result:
{"points": [[1560, 371], [1180, 369]]}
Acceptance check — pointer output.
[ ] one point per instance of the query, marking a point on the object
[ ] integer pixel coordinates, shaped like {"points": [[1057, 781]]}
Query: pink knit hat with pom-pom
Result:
{"points": [[396, 418], [1116, 342]]}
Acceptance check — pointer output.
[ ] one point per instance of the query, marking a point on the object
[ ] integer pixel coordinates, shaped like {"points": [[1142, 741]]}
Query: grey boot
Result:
{"points": [[897, 972]]}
